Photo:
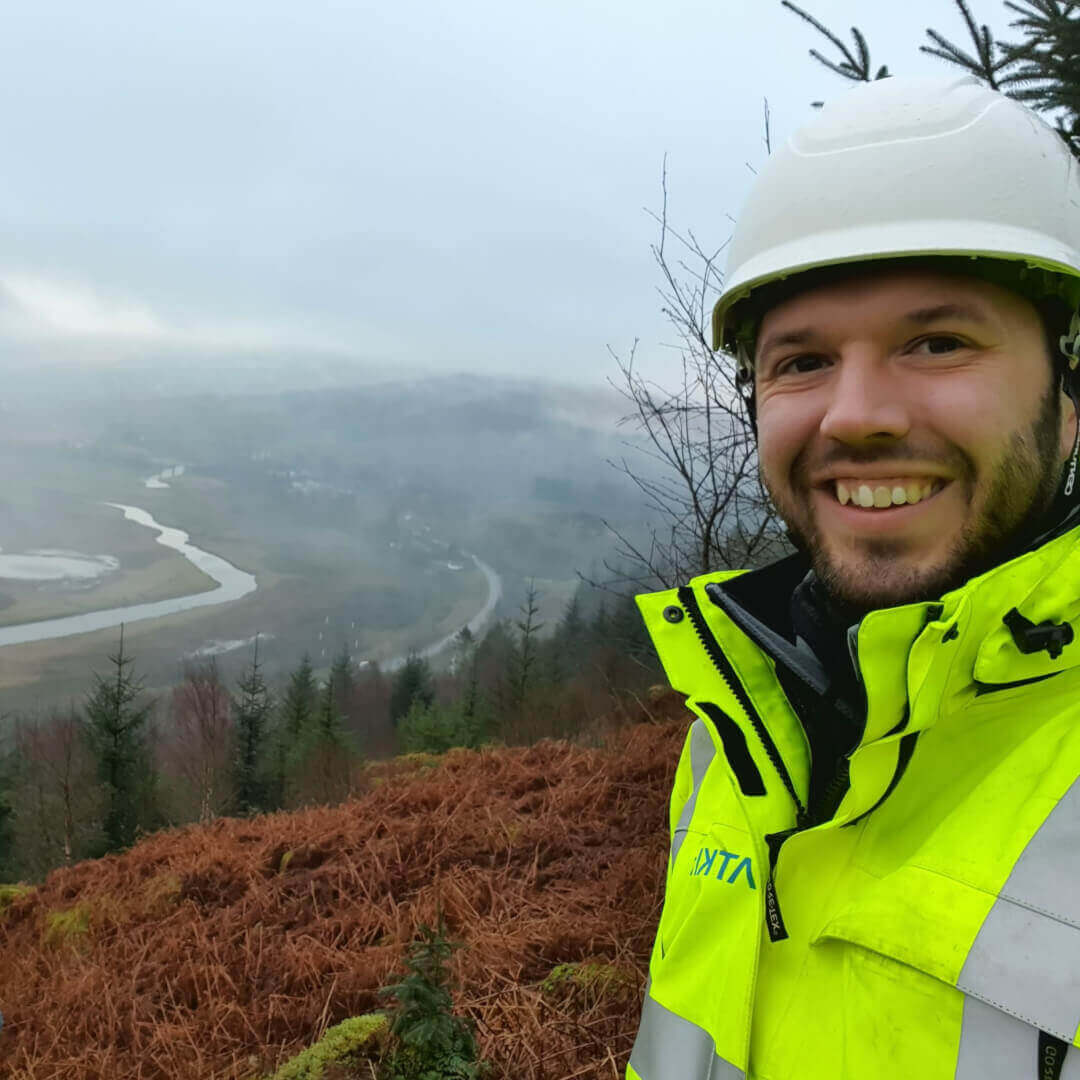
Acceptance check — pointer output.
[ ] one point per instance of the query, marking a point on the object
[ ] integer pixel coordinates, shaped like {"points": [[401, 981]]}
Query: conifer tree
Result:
{"points": [[412, 684], [298, 705], [325, 755], [329, 715], [116, 722], [1040, 68], [430, 1042], [343, 680], [252, 712], [566, 657], [295, 716], [523, 660], [8, 764], [464, 650], [7, 842], [468, 664], [599, 630]]}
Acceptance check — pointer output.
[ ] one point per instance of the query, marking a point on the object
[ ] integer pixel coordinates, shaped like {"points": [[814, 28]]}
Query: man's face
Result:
{"points": [[929, 396]]}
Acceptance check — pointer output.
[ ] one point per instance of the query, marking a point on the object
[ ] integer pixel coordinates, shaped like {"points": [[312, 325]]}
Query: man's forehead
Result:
{"points": [[897, 292], [888, 295]]}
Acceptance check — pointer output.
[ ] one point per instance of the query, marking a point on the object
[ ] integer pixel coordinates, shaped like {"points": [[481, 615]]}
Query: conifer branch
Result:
{"points": [[851, 66]]}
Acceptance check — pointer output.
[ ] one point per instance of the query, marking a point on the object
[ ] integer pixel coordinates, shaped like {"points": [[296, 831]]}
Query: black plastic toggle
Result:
{"points": [[1031, 637]]}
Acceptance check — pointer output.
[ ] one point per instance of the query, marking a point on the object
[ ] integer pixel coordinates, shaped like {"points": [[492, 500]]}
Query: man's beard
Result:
{"points": [[1021, 490]]}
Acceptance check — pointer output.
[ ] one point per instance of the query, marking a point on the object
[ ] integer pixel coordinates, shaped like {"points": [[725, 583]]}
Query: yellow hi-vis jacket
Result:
{"points": [[931, 928]]}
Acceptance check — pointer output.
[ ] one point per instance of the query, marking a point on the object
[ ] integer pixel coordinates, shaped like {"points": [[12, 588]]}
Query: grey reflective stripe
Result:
{"points": [[1026, 957], [669, 1047], [996, 1046], [702, 751], [1046, 877]]}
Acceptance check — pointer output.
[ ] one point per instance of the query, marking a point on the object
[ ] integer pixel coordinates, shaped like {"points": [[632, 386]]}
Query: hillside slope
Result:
{"points": [[219, 951]]}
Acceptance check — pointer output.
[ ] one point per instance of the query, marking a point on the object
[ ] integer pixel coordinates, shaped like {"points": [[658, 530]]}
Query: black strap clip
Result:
{"points": [[1032, 638]]}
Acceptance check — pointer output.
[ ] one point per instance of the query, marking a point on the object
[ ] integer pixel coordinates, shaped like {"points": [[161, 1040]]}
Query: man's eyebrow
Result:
{"points": [[920, 317], [923, 316], [788, 337]]}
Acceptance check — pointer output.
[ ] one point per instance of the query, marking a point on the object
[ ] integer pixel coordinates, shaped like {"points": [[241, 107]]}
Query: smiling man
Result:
{"points": [[875, 852]]}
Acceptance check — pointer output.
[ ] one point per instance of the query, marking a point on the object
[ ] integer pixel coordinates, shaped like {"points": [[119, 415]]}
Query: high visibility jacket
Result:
{"points": [[930, 928]]}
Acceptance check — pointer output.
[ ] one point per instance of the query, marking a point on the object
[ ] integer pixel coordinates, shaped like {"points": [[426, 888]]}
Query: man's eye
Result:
{"points": [[799, 365], [939, 344]]}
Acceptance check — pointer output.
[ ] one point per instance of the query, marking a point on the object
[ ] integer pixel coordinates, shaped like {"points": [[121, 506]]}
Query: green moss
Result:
{"points": [[68, 926], [590, 979], [162, 893], [421, 760], [10, 893], [338, 1046]]}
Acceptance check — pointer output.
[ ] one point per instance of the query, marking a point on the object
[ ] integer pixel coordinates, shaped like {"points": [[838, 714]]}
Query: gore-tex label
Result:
{"points": [[774, 921], [1051, 1057]]}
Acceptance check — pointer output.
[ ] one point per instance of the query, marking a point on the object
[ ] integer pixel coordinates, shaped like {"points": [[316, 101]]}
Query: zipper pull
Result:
{"points": [[774, 920]]}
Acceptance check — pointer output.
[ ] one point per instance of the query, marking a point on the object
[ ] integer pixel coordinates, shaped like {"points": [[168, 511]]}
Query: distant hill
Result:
{"points": [[221, 951]]}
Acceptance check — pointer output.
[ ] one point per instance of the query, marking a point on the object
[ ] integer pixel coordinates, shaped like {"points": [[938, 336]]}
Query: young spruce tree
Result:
{"points": [[295, 721], [430, 1042], [251, 710], [412, 685], [116, 727]]}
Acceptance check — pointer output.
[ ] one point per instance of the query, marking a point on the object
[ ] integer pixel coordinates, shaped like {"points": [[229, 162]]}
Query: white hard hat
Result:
{"points": [[906, 167]]}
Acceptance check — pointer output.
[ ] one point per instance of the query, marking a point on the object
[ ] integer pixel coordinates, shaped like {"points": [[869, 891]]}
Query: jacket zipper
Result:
{"points": [[727, 673], [774, 920]]}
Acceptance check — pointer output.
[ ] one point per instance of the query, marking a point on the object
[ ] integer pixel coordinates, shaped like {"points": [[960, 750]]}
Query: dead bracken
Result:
{"points": [[208, 953]]}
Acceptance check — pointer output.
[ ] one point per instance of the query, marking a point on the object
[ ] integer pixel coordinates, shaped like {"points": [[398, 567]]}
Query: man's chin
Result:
{"points": [[868, 586]]}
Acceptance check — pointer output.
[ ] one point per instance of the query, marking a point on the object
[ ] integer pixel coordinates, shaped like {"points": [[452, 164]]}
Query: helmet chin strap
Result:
{"points": [[1069, 343], [1064, 514], [1070, 476]]}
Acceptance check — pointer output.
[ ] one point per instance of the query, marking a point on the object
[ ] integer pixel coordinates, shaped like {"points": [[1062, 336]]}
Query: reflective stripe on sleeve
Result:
{"points": [[702, 752], [669, 1047], [1025, 959], [995, 1046], [1046, 877]]}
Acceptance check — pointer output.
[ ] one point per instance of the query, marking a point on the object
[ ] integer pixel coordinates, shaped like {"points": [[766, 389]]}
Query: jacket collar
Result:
{"points": [[1018, 621]]}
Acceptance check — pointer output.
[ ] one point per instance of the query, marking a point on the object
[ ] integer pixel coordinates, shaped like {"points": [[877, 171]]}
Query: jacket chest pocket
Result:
{"points": [[990, 986]]}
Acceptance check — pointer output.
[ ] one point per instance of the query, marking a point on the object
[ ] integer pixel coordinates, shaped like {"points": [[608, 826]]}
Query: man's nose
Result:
{"points": [[866, 402]]}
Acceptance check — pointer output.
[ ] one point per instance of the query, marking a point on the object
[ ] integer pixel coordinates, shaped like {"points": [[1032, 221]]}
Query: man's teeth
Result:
{"points": [[881, 496]]}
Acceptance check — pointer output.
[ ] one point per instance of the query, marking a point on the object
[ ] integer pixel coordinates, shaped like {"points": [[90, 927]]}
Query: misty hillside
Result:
{"points": [[482, 435], [221, 951]]}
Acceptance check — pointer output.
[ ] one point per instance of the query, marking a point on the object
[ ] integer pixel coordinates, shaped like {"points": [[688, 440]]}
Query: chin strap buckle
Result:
{"points": [[1032, 638]]}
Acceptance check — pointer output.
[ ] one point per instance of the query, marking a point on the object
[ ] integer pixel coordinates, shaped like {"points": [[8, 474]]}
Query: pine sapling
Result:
{"points": [[429, 1041]]}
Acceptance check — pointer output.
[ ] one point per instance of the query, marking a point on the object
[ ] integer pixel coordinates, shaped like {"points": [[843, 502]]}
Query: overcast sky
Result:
{"points": [[454, 186]]}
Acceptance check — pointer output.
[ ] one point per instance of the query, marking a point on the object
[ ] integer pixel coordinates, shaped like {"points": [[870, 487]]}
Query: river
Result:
{"points": [[232, 584]]}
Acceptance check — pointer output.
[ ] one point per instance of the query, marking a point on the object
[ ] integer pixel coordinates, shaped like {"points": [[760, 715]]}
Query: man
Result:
{"points": [[875, 854]]}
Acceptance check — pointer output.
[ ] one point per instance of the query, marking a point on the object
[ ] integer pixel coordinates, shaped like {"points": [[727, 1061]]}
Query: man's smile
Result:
{"points": [[884, 492]]}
